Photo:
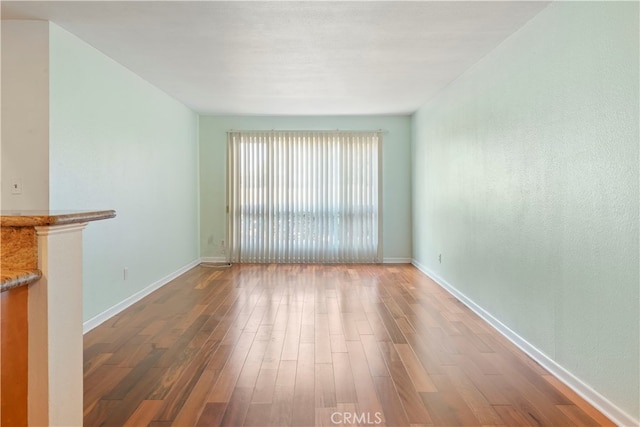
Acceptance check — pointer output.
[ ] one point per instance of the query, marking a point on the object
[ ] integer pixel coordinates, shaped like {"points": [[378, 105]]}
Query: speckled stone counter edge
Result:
{"points": [[13, 279], [41, 218], [18, 242]]}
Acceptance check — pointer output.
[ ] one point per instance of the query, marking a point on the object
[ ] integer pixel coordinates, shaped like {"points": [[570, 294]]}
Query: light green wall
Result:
{"points": [[525, 179], [395, 162], [116, 142]]}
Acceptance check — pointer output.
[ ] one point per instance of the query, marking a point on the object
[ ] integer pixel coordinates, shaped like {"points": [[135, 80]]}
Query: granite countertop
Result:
{"points": [[43, 218], [18, 248], [10, 279]]}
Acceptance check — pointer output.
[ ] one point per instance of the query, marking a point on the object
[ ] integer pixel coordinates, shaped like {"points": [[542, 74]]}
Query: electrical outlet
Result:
{"points": [[440, 258], [16, 186], [125, 274]]}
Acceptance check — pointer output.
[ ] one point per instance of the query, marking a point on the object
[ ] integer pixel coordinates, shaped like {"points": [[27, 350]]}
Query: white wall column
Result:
{"points": [[55, 329]]}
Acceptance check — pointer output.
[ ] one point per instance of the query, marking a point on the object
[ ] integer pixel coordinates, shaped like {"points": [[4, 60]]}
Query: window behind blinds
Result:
{"points": [[304, 197]]}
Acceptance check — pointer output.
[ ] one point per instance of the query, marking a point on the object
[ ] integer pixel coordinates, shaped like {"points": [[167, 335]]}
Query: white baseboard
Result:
{"points": [[109, 313], [396, 261], [600, 402], [221, 259], [214, 259]]}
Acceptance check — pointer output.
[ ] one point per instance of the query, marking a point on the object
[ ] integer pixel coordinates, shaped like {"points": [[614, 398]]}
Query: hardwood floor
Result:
{"points": [[304, 345]]}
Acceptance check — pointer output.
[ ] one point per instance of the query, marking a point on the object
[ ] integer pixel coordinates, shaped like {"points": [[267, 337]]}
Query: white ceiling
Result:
{"points": [[291, 58]]}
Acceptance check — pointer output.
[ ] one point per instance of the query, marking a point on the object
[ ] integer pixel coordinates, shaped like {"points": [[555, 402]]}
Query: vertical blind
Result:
{"points": [[304, 197]]}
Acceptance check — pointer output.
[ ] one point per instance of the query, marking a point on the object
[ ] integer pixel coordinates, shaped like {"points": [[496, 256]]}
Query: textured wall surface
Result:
{"points": [[525, 179], [119, 143], [396, 175]]}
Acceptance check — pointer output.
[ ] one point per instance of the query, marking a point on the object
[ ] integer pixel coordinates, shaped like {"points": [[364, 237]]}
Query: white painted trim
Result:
{"points": [[600, 402], [48, 230], [214, 259], [109, 313], [396, 260]]}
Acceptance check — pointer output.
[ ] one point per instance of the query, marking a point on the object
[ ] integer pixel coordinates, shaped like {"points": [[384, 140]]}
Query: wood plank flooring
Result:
{"points": [[314, 345]]}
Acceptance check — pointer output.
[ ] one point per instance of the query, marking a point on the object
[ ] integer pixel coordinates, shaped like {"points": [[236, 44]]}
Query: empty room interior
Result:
{"points": [[320, 213]]}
